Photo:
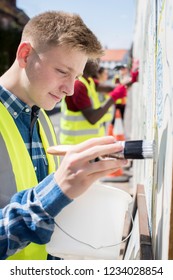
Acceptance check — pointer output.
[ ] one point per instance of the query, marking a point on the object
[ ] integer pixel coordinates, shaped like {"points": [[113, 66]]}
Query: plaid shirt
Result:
{"points": [[29, 215], [21, 114]]}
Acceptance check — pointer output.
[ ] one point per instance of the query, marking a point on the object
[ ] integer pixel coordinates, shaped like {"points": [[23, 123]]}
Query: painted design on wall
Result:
{"points": [[160, 4], [163, 179], [159, 85], [168, 39], [154, 49]]}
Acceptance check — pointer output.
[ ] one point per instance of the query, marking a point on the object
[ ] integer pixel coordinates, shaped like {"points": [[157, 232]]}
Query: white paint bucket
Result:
{"points": [[91, 227]]}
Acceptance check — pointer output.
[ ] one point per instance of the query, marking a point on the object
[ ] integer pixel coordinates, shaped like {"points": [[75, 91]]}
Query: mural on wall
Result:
{"points": [[164, 98], [144, 97], [154, 108]]}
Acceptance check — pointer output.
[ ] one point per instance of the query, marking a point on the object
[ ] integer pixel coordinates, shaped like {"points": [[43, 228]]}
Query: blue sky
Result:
{"points": [[111, 20]]}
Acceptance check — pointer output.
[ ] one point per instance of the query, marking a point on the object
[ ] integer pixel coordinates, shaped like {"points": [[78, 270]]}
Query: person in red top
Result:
{"points": [[80, 101], [123, 81]]}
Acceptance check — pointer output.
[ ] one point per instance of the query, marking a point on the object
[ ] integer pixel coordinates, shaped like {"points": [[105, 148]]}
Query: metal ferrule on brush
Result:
{"points": [[137, 149]]}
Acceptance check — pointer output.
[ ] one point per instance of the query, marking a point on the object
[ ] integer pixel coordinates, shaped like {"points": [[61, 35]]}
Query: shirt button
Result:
{"points": [[27, 110], [15, 113], [35, 168]]}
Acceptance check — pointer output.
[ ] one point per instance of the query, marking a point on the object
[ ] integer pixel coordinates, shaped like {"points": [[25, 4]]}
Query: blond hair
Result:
{"points": [[60, 28]]}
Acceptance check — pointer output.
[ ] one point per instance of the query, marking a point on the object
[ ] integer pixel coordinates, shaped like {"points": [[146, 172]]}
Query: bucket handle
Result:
{"points": [[101, 247]]}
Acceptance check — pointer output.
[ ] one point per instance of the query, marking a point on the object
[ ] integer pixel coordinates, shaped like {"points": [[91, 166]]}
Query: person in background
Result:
{"points": [[123, 81], [134, 71], [82, 115], [52, 54], [102, 74], [102, 77]]}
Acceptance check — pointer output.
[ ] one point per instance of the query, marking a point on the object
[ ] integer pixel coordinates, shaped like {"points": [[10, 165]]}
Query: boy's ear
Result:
{"points": [[23, 52]]}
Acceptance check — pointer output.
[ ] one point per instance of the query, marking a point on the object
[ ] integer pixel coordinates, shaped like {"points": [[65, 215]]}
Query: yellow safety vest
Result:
{"points": [[17, 171], [109, 114], [74, 128], [121, 101]]}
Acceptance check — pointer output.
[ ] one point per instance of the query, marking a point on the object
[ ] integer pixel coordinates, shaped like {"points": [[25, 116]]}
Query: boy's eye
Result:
{"points": [[61, 71]]}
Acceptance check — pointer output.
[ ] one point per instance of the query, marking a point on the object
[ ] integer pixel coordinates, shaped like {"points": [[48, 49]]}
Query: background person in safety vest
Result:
{"points": [[127, 78], [123, 80], [103, 78], [53, 51], [82, 114]]}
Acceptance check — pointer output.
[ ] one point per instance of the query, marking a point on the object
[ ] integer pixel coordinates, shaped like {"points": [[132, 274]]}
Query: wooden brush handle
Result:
{"points": [[59, 150]]}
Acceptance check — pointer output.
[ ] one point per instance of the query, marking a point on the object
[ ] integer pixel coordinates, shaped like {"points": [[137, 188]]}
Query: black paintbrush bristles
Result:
{"points": [[136, 149]]}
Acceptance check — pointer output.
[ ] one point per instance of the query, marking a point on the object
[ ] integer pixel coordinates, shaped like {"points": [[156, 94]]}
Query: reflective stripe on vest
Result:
{"points": [[16, 168], [74, 127], [121, 101], [109, 114]]}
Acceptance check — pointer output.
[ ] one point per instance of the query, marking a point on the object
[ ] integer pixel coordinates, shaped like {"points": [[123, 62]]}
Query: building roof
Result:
{"points": [[114, 55]]}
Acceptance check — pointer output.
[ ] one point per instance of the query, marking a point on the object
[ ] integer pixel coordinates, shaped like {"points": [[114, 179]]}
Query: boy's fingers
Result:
{"points": [[63, 149], [106, 165], [98, 151], [94, 142]]}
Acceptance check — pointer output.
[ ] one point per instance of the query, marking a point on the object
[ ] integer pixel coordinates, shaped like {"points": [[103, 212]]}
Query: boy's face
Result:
{"points": [[50, 75]]}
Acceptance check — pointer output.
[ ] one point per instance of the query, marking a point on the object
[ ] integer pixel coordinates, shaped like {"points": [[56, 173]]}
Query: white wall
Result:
{"points": [[152, 116]]}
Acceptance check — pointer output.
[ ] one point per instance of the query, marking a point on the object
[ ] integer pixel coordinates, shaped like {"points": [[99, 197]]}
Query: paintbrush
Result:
{"points": [[136, 149]]}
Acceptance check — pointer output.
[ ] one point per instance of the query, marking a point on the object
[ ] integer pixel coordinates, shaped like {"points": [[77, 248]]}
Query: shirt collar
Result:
{"points": [[13, 104]]}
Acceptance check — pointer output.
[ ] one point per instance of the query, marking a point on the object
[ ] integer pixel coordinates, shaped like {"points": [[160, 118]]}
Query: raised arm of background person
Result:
{"points": [[103, 88], [132, 79], [94, 115]]}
